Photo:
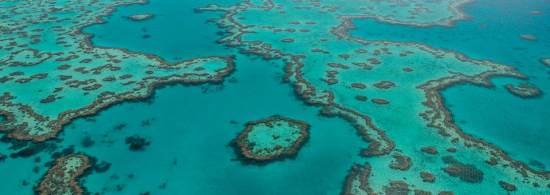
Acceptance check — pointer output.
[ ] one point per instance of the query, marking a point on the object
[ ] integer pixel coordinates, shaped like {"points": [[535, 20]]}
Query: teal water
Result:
{"points": [[518, 126], [195, 133], [176, 32], [190, 127]]}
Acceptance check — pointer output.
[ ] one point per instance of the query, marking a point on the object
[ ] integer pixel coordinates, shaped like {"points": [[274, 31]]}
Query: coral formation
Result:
{"points": [[61, 178], [39, 104], [466, 172], [141, 17], [272, 138], [524, 90]]}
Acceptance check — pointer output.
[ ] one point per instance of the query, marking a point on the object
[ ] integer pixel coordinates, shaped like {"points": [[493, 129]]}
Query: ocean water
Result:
{"points": [[184, 34], [519, 126], [189, 127], [190, 138]]}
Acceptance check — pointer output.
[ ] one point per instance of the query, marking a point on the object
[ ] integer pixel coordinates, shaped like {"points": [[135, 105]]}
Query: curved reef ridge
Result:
{"points": [[523, 90], [51, 73], [323, 63], [61, 178], [275, 137]]}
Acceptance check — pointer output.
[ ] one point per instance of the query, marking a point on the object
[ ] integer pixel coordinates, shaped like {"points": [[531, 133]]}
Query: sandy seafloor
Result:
{"points": [[189, 127]]}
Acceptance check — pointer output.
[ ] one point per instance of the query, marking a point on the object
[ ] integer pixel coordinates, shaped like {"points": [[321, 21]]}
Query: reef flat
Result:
{"points": [[322, 64], [51, 73]]}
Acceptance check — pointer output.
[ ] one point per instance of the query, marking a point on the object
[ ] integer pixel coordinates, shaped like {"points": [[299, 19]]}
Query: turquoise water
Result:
{"points": [[196, 132], [190, 127], [518, 126], [176, 32], [189, 138]]}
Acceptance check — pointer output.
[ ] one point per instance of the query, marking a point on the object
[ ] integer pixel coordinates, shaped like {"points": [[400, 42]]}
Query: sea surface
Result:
{"points": [[519, 126], [190, 127]]}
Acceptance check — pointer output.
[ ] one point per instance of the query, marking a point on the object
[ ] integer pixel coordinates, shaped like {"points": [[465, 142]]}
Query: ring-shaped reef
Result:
{"points": [[274, 138]]}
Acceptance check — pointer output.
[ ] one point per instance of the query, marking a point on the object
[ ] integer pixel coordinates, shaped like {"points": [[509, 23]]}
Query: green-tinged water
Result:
{"points": [[156, 104]]}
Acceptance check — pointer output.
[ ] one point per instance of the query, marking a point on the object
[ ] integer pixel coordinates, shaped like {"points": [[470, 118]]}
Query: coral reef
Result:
{"points": [[397, 188], [315, 82], [524, 90], [507, 186], [137, 143], [403, 163], [427, 176], [357, 181], [429, 150], [140, 17], [61, 178], [466, 172], [528, 37], [272, 138], [38, 104]]}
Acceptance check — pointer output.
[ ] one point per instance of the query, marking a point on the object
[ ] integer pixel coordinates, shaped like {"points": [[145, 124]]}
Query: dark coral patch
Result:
{"points": [[537, 164], [380, 101], [397, 188], [374, 61], [361, 98], [492, 161], [87, 142], [345, 56], [402, 163], [137, 143], [429, 150], [466, 172], [34, 148], [446, 193], [427, 176], [358, 85], [421, 192], [288, 40], [48, 99], [507, 186], [384, 84]]}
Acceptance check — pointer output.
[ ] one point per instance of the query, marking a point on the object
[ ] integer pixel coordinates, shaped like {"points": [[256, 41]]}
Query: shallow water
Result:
{"points": [[189, 127], [190, 139], [176, 32], [516, 125]]}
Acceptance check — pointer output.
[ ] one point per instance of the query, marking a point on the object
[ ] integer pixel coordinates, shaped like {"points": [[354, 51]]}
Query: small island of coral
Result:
{"points": [[272, 138], [524, 90], [141, 17]]}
